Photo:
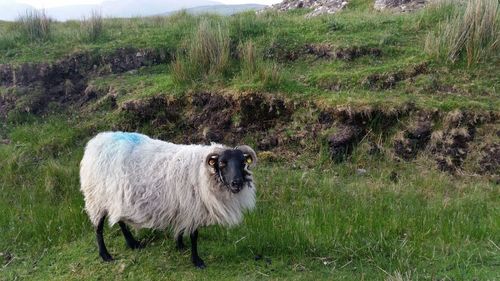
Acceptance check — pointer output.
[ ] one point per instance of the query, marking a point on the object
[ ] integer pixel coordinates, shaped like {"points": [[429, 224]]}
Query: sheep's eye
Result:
{"points": [[248, 160], [211, 162]]}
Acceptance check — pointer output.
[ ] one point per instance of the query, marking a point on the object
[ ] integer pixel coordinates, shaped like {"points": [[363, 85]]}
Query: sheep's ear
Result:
{"points": [[212, 161], [250, 156]]}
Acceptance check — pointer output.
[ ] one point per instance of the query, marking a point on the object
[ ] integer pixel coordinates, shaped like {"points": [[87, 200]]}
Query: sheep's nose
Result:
{"points": [[237, 183]]}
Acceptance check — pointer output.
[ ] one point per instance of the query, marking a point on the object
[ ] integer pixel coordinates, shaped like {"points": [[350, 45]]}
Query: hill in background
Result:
{"points": [[123, 9], [225, 10]]}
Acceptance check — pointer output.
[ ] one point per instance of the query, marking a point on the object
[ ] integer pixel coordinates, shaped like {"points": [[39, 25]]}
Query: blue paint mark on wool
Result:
{"points": [[134, 138]]}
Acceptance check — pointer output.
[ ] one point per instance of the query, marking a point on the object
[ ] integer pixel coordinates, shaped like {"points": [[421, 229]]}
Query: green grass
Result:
{"points": [[314, 219], [320, 221], [275, 37]]}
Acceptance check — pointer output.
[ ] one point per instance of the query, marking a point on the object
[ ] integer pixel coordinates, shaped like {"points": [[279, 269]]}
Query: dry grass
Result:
{"points": [[472, 33]]}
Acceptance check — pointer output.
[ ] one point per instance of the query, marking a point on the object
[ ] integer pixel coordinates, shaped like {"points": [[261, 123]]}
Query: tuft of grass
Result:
{"points": [[254, 68], [248, 58], [93, 27], [207, 54], [35, 25], [472, 33]]}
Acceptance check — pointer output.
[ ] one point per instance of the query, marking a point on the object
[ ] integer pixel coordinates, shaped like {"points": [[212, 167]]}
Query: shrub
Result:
{"points": [[472, 33], [35, 25], [205, 55], [93, 27]]}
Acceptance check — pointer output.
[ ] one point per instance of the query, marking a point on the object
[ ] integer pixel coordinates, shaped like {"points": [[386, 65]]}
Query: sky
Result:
{"points": [[39, 4]]}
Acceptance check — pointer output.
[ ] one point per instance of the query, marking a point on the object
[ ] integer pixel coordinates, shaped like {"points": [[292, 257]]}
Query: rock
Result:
{"points": [[399, 5], [320, 7], [360, 172]]}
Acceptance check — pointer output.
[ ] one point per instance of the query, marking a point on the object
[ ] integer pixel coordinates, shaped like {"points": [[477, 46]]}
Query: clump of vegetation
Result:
{"points": [[253, 67], [35, 25], [207, 54], [93, 27], [472, 33]]}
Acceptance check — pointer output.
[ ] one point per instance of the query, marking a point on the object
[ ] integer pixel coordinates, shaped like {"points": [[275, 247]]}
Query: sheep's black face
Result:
{"points": [[230, 166]]}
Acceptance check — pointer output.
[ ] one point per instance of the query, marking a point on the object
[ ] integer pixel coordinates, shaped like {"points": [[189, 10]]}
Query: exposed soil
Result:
{"points": [[79, 65], [39, 84], [490, 162], [261, 112], [326, 51], [451, 147], [353, 125], [413, 139], [389, 80], [342, 142], [286, 53]]}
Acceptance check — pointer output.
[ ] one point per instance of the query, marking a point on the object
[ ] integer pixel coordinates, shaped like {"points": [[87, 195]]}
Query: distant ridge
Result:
{"points": [[225, 10]]}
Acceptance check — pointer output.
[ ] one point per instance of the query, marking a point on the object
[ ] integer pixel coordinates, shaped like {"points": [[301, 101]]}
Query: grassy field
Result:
{"points": [[325, 221], [315, 218]]}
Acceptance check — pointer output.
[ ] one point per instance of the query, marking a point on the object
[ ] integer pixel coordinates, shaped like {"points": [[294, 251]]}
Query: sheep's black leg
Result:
{"points": [[129, 238], [179, 243], [103, 252], [197, 261]]}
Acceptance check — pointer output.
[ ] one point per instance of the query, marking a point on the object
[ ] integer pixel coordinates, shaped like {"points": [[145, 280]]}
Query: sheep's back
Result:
{"points": [[145, 182]]}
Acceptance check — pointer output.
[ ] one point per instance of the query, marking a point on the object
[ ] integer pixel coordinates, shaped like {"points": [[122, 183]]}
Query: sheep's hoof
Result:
{"points": [[135, 245], [180, 247], [199, 264], [106, 257]]}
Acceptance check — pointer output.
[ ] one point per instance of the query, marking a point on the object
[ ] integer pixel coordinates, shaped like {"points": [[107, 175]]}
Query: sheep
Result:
{"points": [[146, 183]]}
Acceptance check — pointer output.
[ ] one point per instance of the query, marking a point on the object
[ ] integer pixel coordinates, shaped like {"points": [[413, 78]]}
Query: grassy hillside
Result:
{"points": [[378, 154]]}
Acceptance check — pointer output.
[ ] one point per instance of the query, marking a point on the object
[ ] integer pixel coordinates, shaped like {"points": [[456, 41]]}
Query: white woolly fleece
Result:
{"points": [[149, 183]]}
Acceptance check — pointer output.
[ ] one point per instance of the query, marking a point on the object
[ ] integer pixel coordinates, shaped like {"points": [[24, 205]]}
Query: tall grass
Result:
{"points": [[35, 25], [206, 54], [93, 27], [255, 68], [437, 11], [472, 33], [8, 39]]}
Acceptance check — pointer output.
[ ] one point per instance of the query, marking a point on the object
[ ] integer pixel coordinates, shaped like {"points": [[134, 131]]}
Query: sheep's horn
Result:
{"points": [[248, 150]]}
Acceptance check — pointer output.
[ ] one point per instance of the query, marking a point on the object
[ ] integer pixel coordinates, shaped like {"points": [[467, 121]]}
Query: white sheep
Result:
{"points": [[133, 179]]}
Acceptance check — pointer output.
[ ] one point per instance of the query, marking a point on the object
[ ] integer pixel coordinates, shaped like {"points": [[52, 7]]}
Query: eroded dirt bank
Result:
{"points": [[461, 141], [280, 127], [65, 80]]}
